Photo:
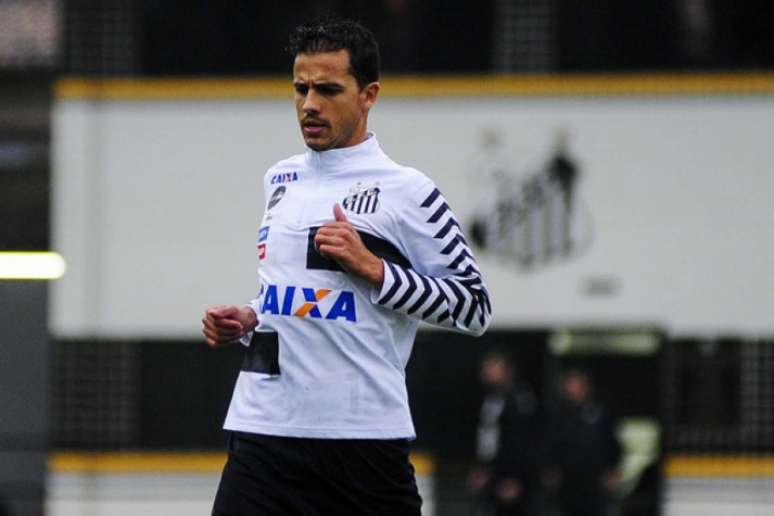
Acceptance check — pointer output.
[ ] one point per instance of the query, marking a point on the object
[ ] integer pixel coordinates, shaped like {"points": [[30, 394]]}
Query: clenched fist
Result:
{"points": [[223, 324]]}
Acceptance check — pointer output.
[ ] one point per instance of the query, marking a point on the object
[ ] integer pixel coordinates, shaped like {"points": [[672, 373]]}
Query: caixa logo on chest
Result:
{"points": [[320, 303]]}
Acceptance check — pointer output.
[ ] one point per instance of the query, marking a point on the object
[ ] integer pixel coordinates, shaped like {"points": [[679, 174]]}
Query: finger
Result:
{"points": [[333, 240], [336, 228], [222, 311], [210, 335], [334, 252], [344, 234], [227, 324], [221, 338], [338, 213], [226, 334], [209, 324], [214, 343], [221, 335], [211, 311], [222, 325], [211, 339]]}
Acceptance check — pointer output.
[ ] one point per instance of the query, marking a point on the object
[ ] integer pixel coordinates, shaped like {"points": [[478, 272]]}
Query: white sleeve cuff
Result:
{"points": [[248, 336], [387, 282]]}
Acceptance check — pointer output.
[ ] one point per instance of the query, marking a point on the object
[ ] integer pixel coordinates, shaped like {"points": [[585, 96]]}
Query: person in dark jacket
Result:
{"points": [[506, 479], [583, 451]]}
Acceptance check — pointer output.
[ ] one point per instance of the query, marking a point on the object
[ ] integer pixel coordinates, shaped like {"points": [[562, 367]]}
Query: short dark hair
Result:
{"points": [[328, 35]]}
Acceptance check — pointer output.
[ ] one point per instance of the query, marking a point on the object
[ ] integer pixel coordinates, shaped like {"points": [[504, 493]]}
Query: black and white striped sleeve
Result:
{"points": [[443, 287]]}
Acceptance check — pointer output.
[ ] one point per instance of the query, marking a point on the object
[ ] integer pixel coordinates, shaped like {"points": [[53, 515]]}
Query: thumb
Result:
{"points": [[223, 311], [338, 213]]}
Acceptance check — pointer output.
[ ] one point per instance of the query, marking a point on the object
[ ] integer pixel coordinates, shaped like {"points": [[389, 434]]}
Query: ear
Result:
{"points": [[369, 93]]}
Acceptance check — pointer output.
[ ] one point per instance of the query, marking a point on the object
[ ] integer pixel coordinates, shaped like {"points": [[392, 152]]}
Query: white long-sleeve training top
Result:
{"points": [[328, 357]]}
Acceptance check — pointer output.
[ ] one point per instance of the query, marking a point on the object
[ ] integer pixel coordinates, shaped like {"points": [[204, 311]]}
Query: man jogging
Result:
{"points": [[354, 250]]}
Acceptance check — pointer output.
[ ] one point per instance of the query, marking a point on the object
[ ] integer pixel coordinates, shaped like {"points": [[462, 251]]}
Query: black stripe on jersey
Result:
{"points": [[443, 208], [447, 227], [378, 246], [426, 291], [458, 260], [471, 311], [431, 198], [440, 297], [395, 286], [372, 203], [460, 298], [410, 290], [452, 245], [262, 356], [470, 270]]}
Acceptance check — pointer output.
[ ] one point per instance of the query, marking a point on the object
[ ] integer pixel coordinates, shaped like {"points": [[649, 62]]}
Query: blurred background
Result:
{"points": [[610, 161]]}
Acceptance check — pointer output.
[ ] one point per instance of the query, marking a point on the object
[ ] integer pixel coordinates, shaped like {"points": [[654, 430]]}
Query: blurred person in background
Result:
{"points": [[506, 480], [583, 452], [354, 250]]}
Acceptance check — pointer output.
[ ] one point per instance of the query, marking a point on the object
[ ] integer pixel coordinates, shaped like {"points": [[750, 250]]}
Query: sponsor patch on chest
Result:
{"points": [[315, 303]]}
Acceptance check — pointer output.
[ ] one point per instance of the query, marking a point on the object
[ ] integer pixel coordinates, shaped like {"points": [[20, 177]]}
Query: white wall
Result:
{"points": [[130, 494], [156, 205], [192, 494]]}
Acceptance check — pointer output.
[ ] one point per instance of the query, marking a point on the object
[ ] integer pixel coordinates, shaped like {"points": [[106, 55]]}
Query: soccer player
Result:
{"points": [[354, 250]]}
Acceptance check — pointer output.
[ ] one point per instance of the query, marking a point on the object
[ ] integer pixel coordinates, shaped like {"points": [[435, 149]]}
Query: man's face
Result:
{"points": [[576, 389], [331, 108], [495, 374]]}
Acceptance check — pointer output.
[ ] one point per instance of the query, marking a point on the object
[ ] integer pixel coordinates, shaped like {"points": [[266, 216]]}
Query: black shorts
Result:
{"points": [[287, 476]]}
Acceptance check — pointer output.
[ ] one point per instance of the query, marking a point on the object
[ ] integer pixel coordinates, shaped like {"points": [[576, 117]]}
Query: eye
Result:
{"points": [[301, 89], [328, 89]]}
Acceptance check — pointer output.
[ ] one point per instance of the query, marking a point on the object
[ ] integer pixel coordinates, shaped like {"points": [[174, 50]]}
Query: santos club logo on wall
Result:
{"points": [[531, 217]]}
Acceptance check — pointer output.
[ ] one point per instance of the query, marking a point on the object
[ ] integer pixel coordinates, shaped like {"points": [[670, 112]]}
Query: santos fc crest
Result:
{"points": [[362, 200]]}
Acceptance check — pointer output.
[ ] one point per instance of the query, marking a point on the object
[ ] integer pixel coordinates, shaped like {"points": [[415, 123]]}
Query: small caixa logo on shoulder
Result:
{"points": [[309, 302], [284, 177]]}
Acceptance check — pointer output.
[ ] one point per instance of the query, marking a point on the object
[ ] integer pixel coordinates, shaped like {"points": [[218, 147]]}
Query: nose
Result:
{"points": [[311, 102]]}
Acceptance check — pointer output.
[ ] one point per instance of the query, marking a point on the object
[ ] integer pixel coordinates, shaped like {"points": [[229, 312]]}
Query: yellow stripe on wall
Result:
{"points": [[163, 462], [212, 462], [654, 84], [719, 466], [136, 462]]}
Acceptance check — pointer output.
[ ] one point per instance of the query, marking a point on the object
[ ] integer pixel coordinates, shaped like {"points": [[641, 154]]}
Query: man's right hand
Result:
{"points": [[224, 324]]}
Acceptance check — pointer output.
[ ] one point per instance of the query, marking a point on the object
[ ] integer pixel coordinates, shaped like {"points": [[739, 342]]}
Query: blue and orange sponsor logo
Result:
{"points": [[284, 177], [321, 303]]}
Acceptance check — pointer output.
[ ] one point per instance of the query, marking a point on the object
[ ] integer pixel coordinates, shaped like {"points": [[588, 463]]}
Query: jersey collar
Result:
{"points": [[337, 157]]}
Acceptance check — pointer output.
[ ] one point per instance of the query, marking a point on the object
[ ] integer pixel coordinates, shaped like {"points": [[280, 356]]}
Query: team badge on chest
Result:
{"points": [[362, 199]]}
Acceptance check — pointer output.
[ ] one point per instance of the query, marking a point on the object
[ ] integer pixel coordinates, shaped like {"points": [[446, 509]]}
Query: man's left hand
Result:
{"points": [[338, 240]]}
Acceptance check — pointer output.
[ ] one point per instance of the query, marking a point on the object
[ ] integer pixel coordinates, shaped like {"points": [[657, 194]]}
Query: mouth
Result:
{"points": [[313, 127]]}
